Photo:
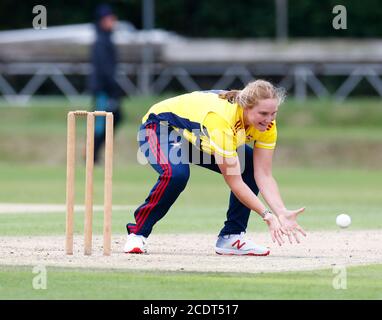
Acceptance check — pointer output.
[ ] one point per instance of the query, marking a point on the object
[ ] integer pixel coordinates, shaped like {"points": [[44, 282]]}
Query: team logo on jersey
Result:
{"points": [[237, 126]]}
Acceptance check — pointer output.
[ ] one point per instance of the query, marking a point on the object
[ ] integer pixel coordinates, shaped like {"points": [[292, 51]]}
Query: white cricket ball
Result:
{"points": [[343, 220]]}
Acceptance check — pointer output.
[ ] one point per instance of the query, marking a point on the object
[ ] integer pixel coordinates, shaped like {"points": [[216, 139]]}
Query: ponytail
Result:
{"points": [[253, 92]]}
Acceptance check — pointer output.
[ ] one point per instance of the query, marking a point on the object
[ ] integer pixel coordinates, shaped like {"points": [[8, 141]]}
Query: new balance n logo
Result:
{"points": [[238, 244]]}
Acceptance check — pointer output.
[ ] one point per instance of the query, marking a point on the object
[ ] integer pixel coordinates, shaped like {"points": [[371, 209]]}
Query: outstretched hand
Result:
{"points": [[290, 227], [275, 228]]}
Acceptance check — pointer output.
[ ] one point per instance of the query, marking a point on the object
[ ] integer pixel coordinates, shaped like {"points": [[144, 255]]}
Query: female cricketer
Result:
{"points": [[213, 129]]}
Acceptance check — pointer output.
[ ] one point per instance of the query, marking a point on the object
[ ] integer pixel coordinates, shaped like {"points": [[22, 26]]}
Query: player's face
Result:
{"points": [[262, 114]]}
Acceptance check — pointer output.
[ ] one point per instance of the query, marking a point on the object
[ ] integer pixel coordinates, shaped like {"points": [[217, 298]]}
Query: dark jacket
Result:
{"points": [[104, 64]]}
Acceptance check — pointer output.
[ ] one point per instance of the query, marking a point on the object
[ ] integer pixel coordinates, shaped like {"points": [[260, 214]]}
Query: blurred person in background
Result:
{"points": [[102, 82]]}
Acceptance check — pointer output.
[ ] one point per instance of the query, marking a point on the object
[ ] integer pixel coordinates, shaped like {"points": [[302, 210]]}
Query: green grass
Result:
{"points": [[355, 112], [362, 283], [200, 208], [328, 159], [317, 132]]}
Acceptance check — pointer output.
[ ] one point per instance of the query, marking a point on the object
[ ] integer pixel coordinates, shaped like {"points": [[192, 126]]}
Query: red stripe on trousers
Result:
{"points": [[144, 213], [167, 169], [153, 195]]}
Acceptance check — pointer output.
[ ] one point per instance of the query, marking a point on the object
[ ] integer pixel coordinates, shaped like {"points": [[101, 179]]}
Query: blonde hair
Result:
{"points": [[253, 92]]}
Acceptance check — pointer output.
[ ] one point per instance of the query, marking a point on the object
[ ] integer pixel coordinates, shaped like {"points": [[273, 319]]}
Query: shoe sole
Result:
{"points": [[135, 250], [244, 254]]}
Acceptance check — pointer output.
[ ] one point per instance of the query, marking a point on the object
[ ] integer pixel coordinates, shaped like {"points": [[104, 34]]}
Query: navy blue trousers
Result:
{"points": [[170, 154]]}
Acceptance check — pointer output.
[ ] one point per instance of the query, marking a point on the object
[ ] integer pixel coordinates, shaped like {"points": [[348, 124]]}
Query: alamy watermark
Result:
{"points": [[340, 280], [40, 20], [340, 20], [163, 145], [40, 281]]}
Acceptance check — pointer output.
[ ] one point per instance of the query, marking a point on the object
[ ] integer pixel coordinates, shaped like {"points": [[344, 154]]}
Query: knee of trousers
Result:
{"points": [[179, 179]]}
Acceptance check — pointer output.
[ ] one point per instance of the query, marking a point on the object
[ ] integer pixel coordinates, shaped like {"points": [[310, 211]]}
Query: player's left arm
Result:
{"points": [[268, 187]]}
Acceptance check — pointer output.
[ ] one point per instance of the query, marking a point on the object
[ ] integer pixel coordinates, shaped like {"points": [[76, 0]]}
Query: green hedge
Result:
{"points": [[213, 18]]}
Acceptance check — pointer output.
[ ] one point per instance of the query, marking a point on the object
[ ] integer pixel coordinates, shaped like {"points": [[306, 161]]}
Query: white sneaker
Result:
{"points": [[135, 244], [236, 244]]}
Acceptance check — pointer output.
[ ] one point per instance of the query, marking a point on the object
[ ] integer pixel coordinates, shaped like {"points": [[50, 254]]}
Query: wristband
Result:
{"points": [[266, 211]]}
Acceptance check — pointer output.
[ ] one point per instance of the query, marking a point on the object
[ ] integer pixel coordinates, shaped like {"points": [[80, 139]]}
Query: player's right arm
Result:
{"points": [[230, 169]]}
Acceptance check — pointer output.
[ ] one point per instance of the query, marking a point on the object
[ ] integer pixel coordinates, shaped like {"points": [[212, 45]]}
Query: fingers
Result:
{"points": [[301, 210], [289, 237], [283, 231], [277, 237], [281, 236], [292, 234], [295, 233], [288, 234], [301, 230], [295, 236], [273, 237]]}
